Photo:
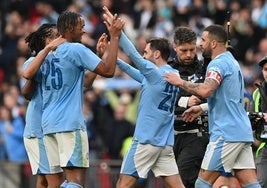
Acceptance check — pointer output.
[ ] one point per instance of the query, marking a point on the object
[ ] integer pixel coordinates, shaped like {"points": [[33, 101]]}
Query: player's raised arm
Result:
{"points": [[109, 59]]}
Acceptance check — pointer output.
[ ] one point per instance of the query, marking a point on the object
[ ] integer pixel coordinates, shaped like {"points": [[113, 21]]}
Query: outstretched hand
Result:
{"points": [[56, 42], [113, 23], [102, 44], [192, 113], [108, 16]]}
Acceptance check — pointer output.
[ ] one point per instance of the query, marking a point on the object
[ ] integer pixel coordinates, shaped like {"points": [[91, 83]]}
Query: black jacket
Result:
{"points": [[194, 72], [263, 99]]}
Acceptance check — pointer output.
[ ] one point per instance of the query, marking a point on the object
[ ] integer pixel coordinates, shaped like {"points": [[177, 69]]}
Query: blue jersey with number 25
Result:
{"points": [[62, 86]]}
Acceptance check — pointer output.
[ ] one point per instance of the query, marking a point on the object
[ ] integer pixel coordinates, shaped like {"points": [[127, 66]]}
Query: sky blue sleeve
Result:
{"points": [[147, 68], [37, 76], [84, 57], [131, 71], [130, 50], [26, 64]]}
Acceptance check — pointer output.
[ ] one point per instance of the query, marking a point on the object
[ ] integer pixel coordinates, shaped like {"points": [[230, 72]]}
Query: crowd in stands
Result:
{"points": [[110, 106]]}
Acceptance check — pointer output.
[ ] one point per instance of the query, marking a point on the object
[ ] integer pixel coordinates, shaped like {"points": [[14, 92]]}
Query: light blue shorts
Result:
{"points": [[227, 156], [141, 158], [38, 157], [69, 149]]}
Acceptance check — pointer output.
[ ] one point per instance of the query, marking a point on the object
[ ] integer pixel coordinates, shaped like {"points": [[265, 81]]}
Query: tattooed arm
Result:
{"points": [[202, 90]]}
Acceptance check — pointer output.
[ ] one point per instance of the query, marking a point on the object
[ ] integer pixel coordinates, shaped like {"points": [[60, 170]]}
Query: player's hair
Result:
{"points": [[36, 39], [161, 44], [67, 20], [184, 35], [217, 32]]}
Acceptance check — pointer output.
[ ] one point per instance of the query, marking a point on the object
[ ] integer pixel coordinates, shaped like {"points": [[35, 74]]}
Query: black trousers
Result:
{"points": [[189, 150]]}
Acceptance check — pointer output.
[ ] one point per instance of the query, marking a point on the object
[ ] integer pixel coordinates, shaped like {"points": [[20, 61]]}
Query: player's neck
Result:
{"points": [[161, 63]]}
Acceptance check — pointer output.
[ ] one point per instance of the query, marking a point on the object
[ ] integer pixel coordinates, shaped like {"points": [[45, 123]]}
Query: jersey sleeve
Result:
{"points": [[147, 68], [84, 57], [37, 76], [215, 72], [131, 71]]}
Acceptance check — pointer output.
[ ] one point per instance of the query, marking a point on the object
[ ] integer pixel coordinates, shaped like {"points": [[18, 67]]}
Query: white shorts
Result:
{"points": [[227, 156], [70, 149], [38, 157], [141, 158]]}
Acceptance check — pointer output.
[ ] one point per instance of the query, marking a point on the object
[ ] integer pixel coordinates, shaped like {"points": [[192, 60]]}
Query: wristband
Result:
{"points": [[204, 107]]}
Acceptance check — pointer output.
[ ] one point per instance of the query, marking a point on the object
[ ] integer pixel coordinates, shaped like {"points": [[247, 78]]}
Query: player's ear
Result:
{"points": [[157, 54]]}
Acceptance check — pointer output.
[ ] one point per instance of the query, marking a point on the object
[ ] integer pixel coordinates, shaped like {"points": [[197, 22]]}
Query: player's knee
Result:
{"points": [[200, 183]]}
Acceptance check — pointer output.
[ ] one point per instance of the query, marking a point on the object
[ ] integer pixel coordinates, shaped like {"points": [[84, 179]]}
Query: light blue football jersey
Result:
{"points": [[156, 107], [227, 115], [33, 116], [62, 85]]}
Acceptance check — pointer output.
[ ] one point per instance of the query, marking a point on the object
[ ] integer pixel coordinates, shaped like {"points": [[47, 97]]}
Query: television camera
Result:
{"points": [[258, 125]]}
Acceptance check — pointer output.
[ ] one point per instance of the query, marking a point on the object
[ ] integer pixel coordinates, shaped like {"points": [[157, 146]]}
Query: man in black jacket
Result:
{"points": [[191, 139]]}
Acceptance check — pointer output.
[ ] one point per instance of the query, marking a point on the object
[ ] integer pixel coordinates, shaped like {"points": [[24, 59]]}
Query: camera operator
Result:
{"points": [[260, 105]]}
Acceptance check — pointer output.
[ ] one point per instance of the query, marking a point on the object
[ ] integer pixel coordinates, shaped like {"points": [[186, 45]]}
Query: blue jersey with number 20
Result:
{"points": [[156, 107]]}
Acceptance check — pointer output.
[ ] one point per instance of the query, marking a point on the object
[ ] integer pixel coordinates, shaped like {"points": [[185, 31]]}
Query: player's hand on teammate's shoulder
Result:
{"points": [[55, 43], [173, 78]]}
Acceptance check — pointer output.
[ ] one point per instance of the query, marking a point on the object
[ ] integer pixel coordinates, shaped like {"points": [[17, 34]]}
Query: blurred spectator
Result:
{"points": [[245, 35], [140, 41], [145, 16], [261, 49], [125, 7], [47, 12], [12, 129], [3, 152], [181, 12], [262, 21], [13, 31], [85, 10], [199, 18], [218, 9], [128, 98], [164, 25], [20, 80], [256, 10], [95, 142], [98, 115], [251, 75], [118, 129]]}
